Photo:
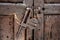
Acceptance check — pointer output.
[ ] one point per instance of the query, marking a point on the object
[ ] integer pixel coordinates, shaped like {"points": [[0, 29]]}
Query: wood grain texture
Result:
{"points": [[52, 27], [52, 8], [6, 28], [11, 0], [52, 1]]}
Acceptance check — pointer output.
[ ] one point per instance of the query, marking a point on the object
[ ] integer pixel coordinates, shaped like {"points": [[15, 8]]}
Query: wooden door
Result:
{"points": [[50, 10], [52, 27], [6, 28], [48, 26], [51, 20]]}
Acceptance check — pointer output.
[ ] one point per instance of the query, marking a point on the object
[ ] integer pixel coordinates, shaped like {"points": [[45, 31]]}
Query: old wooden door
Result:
{"points": [[6, 27], [49, 20]]}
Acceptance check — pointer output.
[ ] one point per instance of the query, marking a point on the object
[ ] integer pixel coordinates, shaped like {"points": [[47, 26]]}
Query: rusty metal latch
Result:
{"points": [[27, 22]]}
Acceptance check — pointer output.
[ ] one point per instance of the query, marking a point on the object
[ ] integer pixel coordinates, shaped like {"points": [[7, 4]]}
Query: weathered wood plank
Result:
{"points": [[38, 3], [6, 28], [13, 9], [52, 27], [52, 1], [28, 3], [52, 8], [38, 35], [11, 1]]}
